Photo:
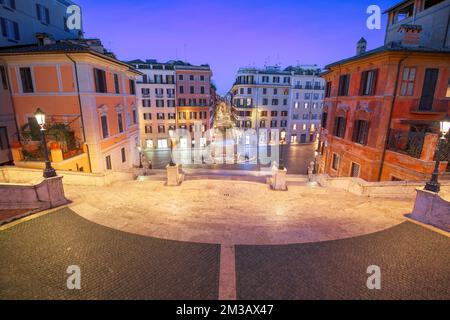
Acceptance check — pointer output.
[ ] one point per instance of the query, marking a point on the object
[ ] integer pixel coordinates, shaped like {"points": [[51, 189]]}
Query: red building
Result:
{"points": [[382, 107]]}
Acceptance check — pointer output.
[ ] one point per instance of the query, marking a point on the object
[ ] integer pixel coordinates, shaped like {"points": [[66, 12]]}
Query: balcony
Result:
{"points": [[409, 143], [431, 107]]}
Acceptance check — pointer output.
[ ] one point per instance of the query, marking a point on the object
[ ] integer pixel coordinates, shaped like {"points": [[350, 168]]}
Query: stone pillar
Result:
{"points": [[174, 177], [429, 147], [431, 208], [278, 180]]}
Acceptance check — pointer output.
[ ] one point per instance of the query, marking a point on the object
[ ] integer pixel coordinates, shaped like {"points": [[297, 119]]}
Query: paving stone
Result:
{"points": [[34, 257], [414, 262]]}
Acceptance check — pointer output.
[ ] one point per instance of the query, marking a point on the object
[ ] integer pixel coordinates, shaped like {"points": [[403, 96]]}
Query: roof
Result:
{"points": [[397, 6], [387, 48], [61, 47]]}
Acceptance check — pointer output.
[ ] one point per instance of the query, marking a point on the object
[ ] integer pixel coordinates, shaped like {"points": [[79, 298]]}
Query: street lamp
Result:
{"points": [[49, 172], [171, 163], [433, 185], [140, 156], [282, 141]]}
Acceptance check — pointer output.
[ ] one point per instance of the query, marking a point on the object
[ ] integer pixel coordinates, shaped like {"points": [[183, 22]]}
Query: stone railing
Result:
{"points": [[432, 208], [11, 173], [392, 189], [38, 194]]}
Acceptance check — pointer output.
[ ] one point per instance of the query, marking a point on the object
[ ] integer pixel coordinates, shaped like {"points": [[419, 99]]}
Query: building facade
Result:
{"points": [[8, 128], [90, 103], [382, 107], [173, 95], [288, 100], [156, 103], [20, 21]]}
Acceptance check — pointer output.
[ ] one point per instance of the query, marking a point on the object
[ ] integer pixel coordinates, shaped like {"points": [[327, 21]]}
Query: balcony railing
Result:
{"points": [[410, 143]]}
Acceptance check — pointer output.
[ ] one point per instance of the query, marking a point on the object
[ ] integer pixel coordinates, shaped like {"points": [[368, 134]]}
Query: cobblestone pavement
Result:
{"points": [[414, 262], [34, 257]]}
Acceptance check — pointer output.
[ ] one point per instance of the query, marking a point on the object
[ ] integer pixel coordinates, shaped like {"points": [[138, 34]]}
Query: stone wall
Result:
{"points": [[432, 208], [391, 189], [11, 174], [39, 195]]}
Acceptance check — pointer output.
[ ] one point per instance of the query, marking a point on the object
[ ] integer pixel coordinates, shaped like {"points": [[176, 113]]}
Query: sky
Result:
{"points": [[231, 34]]}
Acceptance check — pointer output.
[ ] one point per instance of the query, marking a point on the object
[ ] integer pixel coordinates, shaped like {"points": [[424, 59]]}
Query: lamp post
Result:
{"points": [[171, 163], [140, 156], [433, 185], [282, 142], [49, 172]]}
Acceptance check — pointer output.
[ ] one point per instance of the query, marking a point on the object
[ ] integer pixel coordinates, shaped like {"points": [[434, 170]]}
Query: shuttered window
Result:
{"points": [[360, 132], [368, 83], [100, 81]]}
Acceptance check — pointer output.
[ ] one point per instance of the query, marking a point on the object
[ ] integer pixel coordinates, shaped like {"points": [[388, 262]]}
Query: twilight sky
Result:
{"points": [[229, 34]]}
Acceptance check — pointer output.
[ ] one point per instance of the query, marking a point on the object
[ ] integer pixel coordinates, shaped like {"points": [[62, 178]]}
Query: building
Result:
{"points": [[156, 102], [307, 93], [21, 21], [382, 106], [89, 99], [194, 99], [173, 95], [8, 129], [288, 100]]}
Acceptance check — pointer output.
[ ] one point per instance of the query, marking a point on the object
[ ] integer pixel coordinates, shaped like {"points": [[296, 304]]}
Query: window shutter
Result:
{"points": [[3, 25], [363, 83], [97, 87], [365, 132], [13, 4], [16, 31], [38, 11], [355, 131], [374, 82], [47, 16]]}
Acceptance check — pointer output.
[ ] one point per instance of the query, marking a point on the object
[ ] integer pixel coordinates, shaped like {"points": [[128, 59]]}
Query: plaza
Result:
{"points": [[220, 238]]}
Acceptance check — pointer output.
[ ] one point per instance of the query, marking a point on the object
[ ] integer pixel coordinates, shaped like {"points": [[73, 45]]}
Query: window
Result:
{"points": [[335, 162], [43, 15], [10, 29], [307, 96], [285, 102], [180, 77], [355, 170], [286, 80], [273, 113], [146, 103], [161, 129], [132, 87], [160, 103], [100, 81], [262, 124], [4, 144], [171, 116], [430, 3], [108, 163], [160, 116], [134, 116], [263, 113], [10, 4], [274, 102], [339, 127], [3, 77], [147, 116], [191, 90], [360, 132], [104, 121], [124, 158], [265, 102], [409, 75], [276, 79], [171, 103], [120, 122], [447, 94], [283, 123], [148, 129], [191, 77], [275, 91], [202, 90], [116, 83], [264, 90], [202, 78], [27, 81], [344, 82], [368, 83], [324, 120], [273, 123], [305, 116], [284, 113]]}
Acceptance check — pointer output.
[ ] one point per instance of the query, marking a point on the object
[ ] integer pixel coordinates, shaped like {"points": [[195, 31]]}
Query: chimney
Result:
{"points": [[44, 39], [410, 35], [361, 46]]}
